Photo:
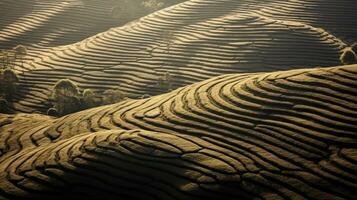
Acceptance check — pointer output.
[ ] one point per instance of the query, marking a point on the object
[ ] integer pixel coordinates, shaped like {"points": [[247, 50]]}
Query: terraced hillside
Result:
{"points": [[40, 24], [334, 16], [280, 135], [194, 41]]}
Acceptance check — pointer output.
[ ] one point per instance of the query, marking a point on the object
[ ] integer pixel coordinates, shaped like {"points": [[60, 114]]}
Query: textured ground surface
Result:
{"points": [[40, 24], [194, 41], [281, 135], [239, 128]]}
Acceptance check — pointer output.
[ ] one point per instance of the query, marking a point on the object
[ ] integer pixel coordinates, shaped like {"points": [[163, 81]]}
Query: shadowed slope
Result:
{"points": [[193, 41], [40, 24], [282, 135], [337, 17]]}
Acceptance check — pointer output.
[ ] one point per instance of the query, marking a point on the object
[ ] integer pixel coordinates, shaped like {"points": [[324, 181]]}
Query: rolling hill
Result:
{"points": [[333, 16], [42, 24], [259, 107], [279, 135], [193, 41]]}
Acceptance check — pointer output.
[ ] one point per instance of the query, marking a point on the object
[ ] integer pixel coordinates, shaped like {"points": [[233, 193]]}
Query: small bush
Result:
{"points": [[145, 96], [88, 99], [20, 52], [52, 112], [348, 57], [112, 96], [10, 76], [7, 59]]}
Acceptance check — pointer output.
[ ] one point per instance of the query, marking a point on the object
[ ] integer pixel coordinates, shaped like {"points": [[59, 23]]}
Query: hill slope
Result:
{"points": [[334, 16], [281, 135], [41, 24], [194, 41]]}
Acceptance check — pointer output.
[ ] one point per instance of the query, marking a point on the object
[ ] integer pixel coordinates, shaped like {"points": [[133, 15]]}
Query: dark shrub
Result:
{"points": [[10, 76], [348, 57], [52, 112], [88, 99], [112, 96], [3, 105], [8, 83], [20, 52]]}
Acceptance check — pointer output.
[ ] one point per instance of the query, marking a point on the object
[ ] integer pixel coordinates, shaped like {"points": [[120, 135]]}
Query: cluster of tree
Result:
{"points": [[8, 58], [349, 55], [66, 98], [8, 84], [8, 77], [113, 96]]}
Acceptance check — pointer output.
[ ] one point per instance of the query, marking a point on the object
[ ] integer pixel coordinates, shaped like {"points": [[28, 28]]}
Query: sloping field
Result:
{"points": [[194, 41], [281, 135], [40, 24], [45, 23], [337, 17]]}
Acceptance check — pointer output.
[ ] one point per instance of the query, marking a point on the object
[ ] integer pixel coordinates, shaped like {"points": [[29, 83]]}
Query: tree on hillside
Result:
{"points": [[52, 112], [8, 83], [88, 99], [348, 57], [112, 96], [7, 59], [66, 97], [4, 106], [20, 52]]}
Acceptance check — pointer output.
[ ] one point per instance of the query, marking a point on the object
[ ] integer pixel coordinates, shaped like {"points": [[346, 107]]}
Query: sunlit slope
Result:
{"points": [[281, 135], [195, 40]]}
